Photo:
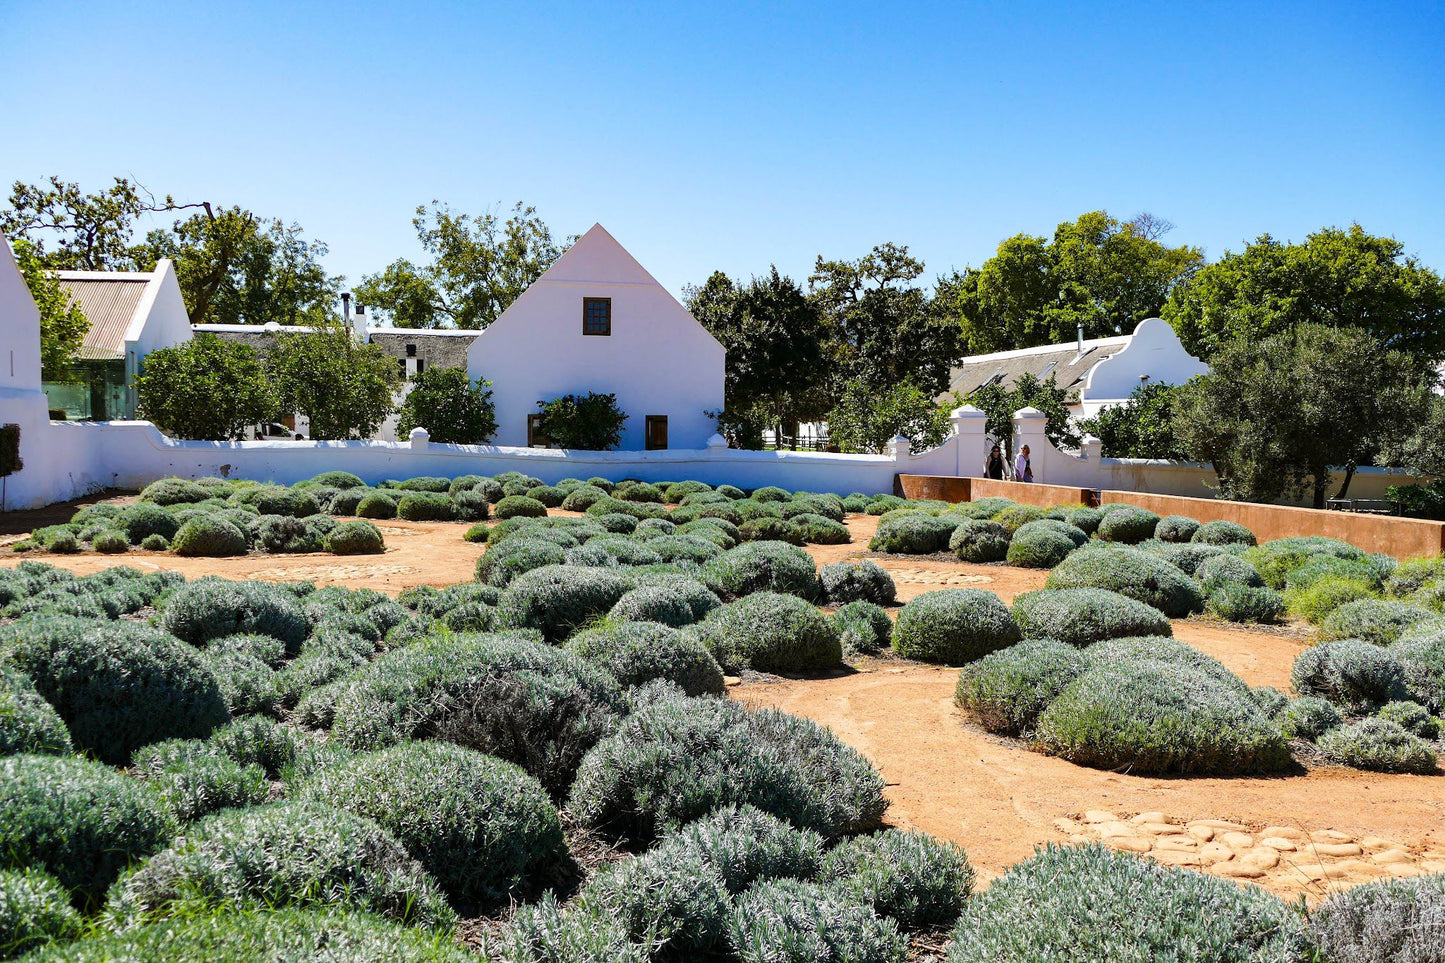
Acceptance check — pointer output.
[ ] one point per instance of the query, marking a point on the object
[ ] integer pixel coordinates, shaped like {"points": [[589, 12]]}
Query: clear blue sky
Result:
{"points": [[747, 134]]}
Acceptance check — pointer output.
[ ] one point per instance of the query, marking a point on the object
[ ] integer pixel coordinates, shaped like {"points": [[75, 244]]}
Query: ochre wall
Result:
{"points": [[949, 489]]}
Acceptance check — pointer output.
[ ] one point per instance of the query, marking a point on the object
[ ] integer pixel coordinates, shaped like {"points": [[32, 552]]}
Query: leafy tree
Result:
{"points": [[1275, 416], [999, 404], [206, 389], [62, 324], [590, 422], [344, 387], [479, 266], [86, 232], [865, 421], [450, 406], [1341, 278], [1096, 272], [1423, 449], [1142, 427], [776, 366]]}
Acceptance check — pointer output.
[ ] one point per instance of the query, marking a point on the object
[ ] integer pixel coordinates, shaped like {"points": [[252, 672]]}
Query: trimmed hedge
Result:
{"points": [[912, 533], [863, 628], [557, 600], [953, 626], [376, 504], [912, 878], [1176, 528], [1127, 524], [1084, 616], [1037, 545], [763, 567], [144, 519], [1378, 745], [358, 537], [1354, 675], [635, 653], [1223, 533], [979, 540], [258, 741], [213, 608], [80, 821], [789, 921], [844, 582], [211, 537], [1132, 572], [34, 910], [1005, 691], [678, 759], [1387, 921], [546, 933], [771, 632], [484, 828], [424, 506]]}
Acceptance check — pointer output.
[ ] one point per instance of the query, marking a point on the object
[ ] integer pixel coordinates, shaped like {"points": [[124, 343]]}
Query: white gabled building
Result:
{"points": [[597, 321]]}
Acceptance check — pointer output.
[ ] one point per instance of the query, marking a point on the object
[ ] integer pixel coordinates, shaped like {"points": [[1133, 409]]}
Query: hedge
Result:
{"points": [[1223, 533], [668, 900], [27, 722], [1127, 524], [1089, 904], [1243, 603], [635, 653], [678, 759], [117, 685], [1132, 572], [763, 566], [1375, 620], [844, 582], [1005, 691], [484, 828], [1386, 921], [80, 821], [194, 779], [745, 845], [289, 854], [771, 632], [979, 540], [1354, 675], [210, 537], [1378, 745], [557, 600], [953, 626], [863, 628], [913, 533], [1084, 616], [788, 921], [213, 608], [34, 910]]}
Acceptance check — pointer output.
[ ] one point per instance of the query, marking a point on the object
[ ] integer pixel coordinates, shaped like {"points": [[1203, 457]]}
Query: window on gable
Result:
{"points": [[597, 316]]}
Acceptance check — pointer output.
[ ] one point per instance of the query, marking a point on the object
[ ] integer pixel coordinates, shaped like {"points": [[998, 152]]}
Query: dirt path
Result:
{"points": [[999, 800]]}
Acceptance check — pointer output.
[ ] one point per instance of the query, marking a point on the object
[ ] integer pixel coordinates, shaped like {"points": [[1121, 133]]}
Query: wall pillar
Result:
{"points": [[970, 440], [1029, 429], [420, 439]]}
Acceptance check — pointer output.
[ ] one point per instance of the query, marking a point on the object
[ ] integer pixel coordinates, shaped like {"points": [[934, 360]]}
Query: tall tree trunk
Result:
{"points": [[1319, 501], [1349, 474]]}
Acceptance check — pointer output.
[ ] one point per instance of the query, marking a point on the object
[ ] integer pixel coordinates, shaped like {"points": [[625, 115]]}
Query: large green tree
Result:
{"points": [[206, 389], [479, 265], [62, 324], [1342, 278], [343, 387], [999, 405], [1098, 273], [1277, 416], [1141, 427], [452, 407], [866, 421]]}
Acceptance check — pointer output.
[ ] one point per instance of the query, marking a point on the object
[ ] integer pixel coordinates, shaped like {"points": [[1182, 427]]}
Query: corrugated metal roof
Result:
{"points": [[109, 304], [1066, 365]]}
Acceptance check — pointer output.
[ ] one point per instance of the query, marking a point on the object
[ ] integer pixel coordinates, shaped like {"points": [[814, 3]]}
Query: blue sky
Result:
{"points": [[737, 135]]}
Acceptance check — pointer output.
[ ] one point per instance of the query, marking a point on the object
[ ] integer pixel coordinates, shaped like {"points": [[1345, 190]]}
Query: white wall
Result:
{"points": [[161, 321], [657, 361], [1155, 351], [19, 327]]}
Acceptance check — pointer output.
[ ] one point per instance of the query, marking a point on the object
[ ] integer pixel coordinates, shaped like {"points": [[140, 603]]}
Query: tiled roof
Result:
{"points": [[109, 302]]}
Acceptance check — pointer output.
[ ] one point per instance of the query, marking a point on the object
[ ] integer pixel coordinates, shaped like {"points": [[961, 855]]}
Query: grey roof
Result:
{"points": [[108, 303], [1065, 363]]}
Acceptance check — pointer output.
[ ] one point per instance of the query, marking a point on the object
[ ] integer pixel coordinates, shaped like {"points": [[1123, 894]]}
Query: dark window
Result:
{"points": [[411, 351], [420, 365], [656, 432], [535, 438], [597, 316]]}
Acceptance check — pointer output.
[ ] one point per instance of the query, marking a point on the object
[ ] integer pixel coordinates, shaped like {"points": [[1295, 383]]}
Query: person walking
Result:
{"points": [[995, 466], [1023, 468]]}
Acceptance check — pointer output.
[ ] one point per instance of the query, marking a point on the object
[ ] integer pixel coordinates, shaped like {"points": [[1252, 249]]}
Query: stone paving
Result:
{"points": [[1287, 860]]}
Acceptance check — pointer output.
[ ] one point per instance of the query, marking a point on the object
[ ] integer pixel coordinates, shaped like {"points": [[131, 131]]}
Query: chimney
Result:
{"points": [[1081, 337]]}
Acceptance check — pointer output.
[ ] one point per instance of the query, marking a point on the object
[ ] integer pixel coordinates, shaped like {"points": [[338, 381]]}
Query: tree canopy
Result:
{"points": [[999, 405], [207, 389], [866, 421], [342, 386], [1142, 427], [450, 406], [479, 265], [62, 324]]}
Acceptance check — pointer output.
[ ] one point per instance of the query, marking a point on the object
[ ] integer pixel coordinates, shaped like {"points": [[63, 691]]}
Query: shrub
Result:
{"points": [[844, 582], [1223, 533], [27, 722], [214, 608], [210, 537], [1352, 674], [1323, 596], [502, 563], [862, 627], [111, 542], [545, 933], [376, 504], [247, 684], [258, 741], [194, 779], [677, 759], [763, 566], [1005, 691], [557, 600], [788, 921], [34, 910], [1038, 547], [1377, 745], [624, 550], [282, 533], [1374, 620], [668, 900], [277, 500], [1130, 572], [1089, 904], [1013, 517], [1243, 603], [426, 506], [913, 533], [772, 632], [771, 530], [635, 653], [358, 537], [953, 626], [1388, 921], [155, 543], [1412, 717], [979, 541], [337, 479], [917, 881], [582, 498], [1085, 518], [1082, 617], [1218, 571], [80, 821], [287, 854], [1423, 662], [144, 518], [653, 604], [1413, 574], [618, 506], [699, 599], [1127, 524], [174, 491], [1175, 528], [520, 506], [117, 685], [818, 530], [1307, 718], [484, 828], [1146, 715], [537, 706], [744, 845]]}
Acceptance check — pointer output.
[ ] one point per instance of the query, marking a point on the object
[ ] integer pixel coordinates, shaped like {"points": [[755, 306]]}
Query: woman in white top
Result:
{"points": [[1023, 470]]}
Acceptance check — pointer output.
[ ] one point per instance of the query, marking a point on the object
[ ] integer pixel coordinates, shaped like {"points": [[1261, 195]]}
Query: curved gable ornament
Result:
{"points": [[1154, 355]]}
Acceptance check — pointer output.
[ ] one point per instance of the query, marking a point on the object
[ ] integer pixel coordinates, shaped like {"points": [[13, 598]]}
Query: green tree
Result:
{"points": [[1142, 427], [590, 422], [1276, 416], [866, 421], [62, 324], [1097, 272], [72, 230], [1341, 278], [344, 387], [206, 389], [999, 404], [479, 265], [450, 406]]}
